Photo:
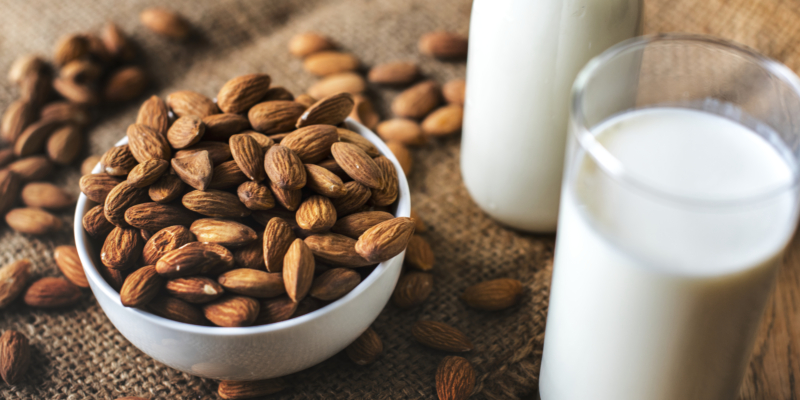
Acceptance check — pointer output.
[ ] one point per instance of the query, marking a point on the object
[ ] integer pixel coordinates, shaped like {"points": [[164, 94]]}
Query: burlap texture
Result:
{"points": [[79, 354]]}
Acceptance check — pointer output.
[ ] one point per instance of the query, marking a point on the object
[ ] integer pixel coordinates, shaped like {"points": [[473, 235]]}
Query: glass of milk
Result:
{"points": [[680, 194]]}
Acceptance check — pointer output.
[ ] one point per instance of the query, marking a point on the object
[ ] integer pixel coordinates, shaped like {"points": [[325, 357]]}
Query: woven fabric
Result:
{"points": [[79, 354]]}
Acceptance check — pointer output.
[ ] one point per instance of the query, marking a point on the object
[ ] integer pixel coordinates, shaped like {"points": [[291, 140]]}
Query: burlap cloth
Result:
{"points": [[79, 354]]}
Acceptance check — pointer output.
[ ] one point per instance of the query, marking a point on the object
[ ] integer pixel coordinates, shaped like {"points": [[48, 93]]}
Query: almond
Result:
{"points": [[444, 45], [402, 130], [454, 91], [17, 117], [305, 100], [366, 348], [334, 283], [240, 93], [96, 224], [455, 379], [195, 170], [120, 199], [275, 310], [251, 255], [154, 217], [147, 173], [394, 73], [275, 116], [325, 63], [217, 151], [32, 168], [278, 237], [32, 221], [165, 23], [248, 156], [348, 136], [307, 43], [6, 157], [253, 283], [222, 126], [75, 92], [195, 289], [147, 144], [66, 112], [311, 143], [223, 232], [385, 240], [419, 254], [164, 241], [493, 295], [388, 193], [309, 304], [115, 42], [165, 189], [441, 336], [118, 161], [263, 217], [364, 112], [13, 279], [331, 110], [232, 311], [255, 196], [349, 82], [277, 93], [52, 292], [194, 258], [324, 181], [354, 225], [288, 199], [186, 102], [113, 277], [122, 248], [402, 155], [88, 164], [419, 225], [215, 204], [444, 121], [316, 214], [263, 140], [357, 164], [176, 310], [278, 137], [417, 101], [298, 270], [38, 87], [15, 356], [70, 47], [284, 168], [125, 84], [141, 287], [64, 144], [34, 137], [412, 289], [336, 249], [227, 175], [45, 195], [356, 195], [24, 65], [154, 115], [233, 390], [186, 131], [66, 257]]}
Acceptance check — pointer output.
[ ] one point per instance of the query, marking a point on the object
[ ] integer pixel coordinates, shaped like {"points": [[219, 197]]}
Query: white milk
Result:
{"points": [[656, 299], [523, 57]]}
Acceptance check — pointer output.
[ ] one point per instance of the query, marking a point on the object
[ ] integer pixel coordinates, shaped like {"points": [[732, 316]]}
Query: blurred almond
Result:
{"points": [[122, 248], [141, 287], [284, 168], [49, 292], [154, 217], [34, 137], [195, 289], [186, 102], [364, 112], [88, 164], [217, 151], [232, 311], [147, 144], [147, 173], [334, 283], [10, 184], [215, 204], [96, 224], [311, 143], [336, 249], [349, 82], [222, 126], [153, 114], [166, 189], [224, 232], [115, 42], [252, 283], [255, 196], [278, 237], [32, 221], [13, 280], [277, 93], [418, 100], [37, 87], [195, 258], [185, 131], [6, 157], [298, 270], [176, 310], [240, 93], [493, 295], [18, 115], [305, 100], [75, 92], [412, 289], [445, 45], [402, 130], [402, 155], [394, 73], [64, 144], [235, 390], [419, 224], [348, 136], [453, 91], [275, 116], [358, 164], [46, 195], [307, 43], [419, 254], [354, 225], [325, 63], [331, 110], [33, 168], [118, 160], [324, 181], [366, 348], [275, 310], [195, 170], [66, 112], [15, 356], [70, 47], [165, 23], [24, 65], [356, 195], [164, 241], [125, 84], [455, 379], [248, 156], [443, 121]]}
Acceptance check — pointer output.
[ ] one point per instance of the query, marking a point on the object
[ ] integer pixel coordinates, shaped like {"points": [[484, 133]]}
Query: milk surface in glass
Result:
{"points": [[523, 58], [655, 298]]}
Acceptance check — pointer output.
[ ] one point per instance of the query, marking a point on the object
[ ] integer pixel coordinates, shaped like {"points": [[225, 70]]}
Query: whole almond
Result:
{"points": [[455, 379], [186, 131], [88, 164], [215, 204], [255, 196], [442, 44], [195, 289], [394, 73], [336, 249], [493, 295], [417, 101], [34, 137], [357, 164], [6, 156], [232, 311], [196, 170], [331, 110], [186, 102], [154, 217], [176, 310], [115, 42], [125, 84], [147, 173], [141, 287], [253, 283], [412, 289], [164, 241], [52, 292], [263, 217], [147, 144], [364, 112], [325, 63], [354, 225], [316, 214], [18, 115], [366, 349], [227, 175], [277, 93], [165, 189], [454, 91], [218, 152], [33, 168], [334, 283], [419, 254], [37, 88], [309, 304], [307, 43], [15, 356], [444, 121], [356, 195], [348, 136], [275, 310], [240, 93], [235, 390], [32, 221], [224, 232], [263, 140], [70, 47], [153, 114], [165, 23], [194, 258], [298, 270], [222, 126], [120, 199], [248, 156], [402, 155], [81, 71], [284, 168], [75, 92], [64, 144], [403, 130], [13, 279], [311, 143], [24, 65], [385, 240], [118, 160], [388, 193], [419, 224], [305, 100], [278, 237], [96, 224], [251, 255], [349, 82], [66, 257], [46, 195], [122, 248], [441, 336], [275, 116], [66, 112], [324, 181], [288, 198]]}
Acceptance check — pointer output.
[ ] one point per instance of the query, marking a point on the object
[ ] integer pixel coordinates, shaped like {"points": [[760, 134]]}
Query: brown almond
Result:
{"points": [[275, 116], [444, 121], [417, 101], [97, 49], [165, 189], [122, 248], [154, 217], [454, 91], [66, 112], [248, 156], [18, 115], [275, 310], [147, 144], [195, 170], [164, 241], [141, 287], [6, 157], [34, 137], [277, 93], [354, 225], [154, 115], [455, 379], [120, 199], [419, 254], [67, 260], [419, 224], [96, 224], [125, 84], [305, 100], [334, 283], [32, 221], [235, 390], [336, 249], [194, 258], [227, 175], [493, 295], [49, 292], [46, 195], [116, 43], [252, 283], [263, 217], [309, 304], [402, 155], [445, 45], [357, 164], [331, 110], [70, 47], [278, 237], [64, 144], [33, 168], [165, 22], [284, 168], [385, 240], [75, 92], [263, 140], [15, 356], [186, 102], [364, 112], [356, 195], [278, 137], [38, 87], [316, 214], [251, 255], [441, 336], [147, 173], [388, 193], [324, 181], [412, 289], [394, 73], [13, 279], [311, 143], [287, 198], [402, 130], [232, 311], [186, 131], [348, 82], [224, 232], [308, 43], [88, 164], [10, 184], [215, 204], [24, 65], [240, 93], [118, 160], [195, 289], [325, 63], [176, 310], [218, 152], [298, 270], [366, 348], [220, 127], [348, 136], [113, 277], [255, 196]]}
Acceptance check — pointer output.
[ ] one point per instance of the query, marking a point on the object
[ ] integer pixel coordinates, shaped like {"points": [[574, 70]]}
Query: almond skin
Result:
{"points": [[232, 311], [13, 279], [331, 110], [354, 225], [417, 101], [275, 310], [240, 93], [394, 73], [176, 310], [366, 349], [278, 237], [284, 168], [253, 283], [385, 240], [251, 255], [222, 126], [455, 379], [186, 131], [196, 170], [141, 287], [307, 43], [194, 258], [120, 199], [122, 248], [336, 249], [325, 63], [388, 193], [441, 336], [234, 390], [444, 121], [147, 173], [166, 189], [215, 204], [419, 254], [275, 116], [186, 102], [15, 356], [403, 130], [165, 22], [334, 283], [324, 181], [356, 195], [164, 241], [348, 136], [255, 196], [154, 217], [349, 82], [316, 214], [454, 91], [147, 144], [224, 232], [227, 175], [444, 45], [153, 114], [32, 221], [46, 195], [248, 156], [298, 270], [52, 292], [66, 257], [288, 199], [195, 289], [311, 143], [493, 295], [96, 224], [357, 164], [412, 289], [97, 186], [118, 161]]}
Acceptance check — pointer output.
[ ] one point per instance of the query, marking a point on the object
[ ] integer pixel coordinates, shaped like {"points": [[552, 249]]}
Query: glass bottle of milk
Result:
{"points": [[523, 58]]}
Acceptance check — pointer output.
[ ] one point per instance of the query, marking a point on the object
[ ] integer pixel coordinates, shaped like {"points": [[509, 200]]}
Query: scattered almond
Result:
{"points": [[15, 356], [165, 22], [52, 292], [348, 82], [417, 101], [454, 91], [412, 289], [446, 45], [45, 195], [444, 121], [455, 379], [394, 73], [366, 348], [402, 155], [493, 295], [13, 279], [441, 336], [67, 260], [32, 221], [323, 63], [307, 43], [402, 130], [235, 390]]}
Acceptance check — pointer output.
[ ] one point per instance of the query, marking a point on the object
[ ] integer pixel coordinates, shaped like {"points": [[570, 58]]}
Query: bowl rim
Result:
{"points": [[98, 282]]}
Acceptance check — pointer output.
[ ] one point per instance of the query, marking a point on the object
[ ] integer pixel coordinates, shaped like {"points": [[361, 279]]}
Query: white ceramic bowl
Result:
{"points": [[257, 352]]}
